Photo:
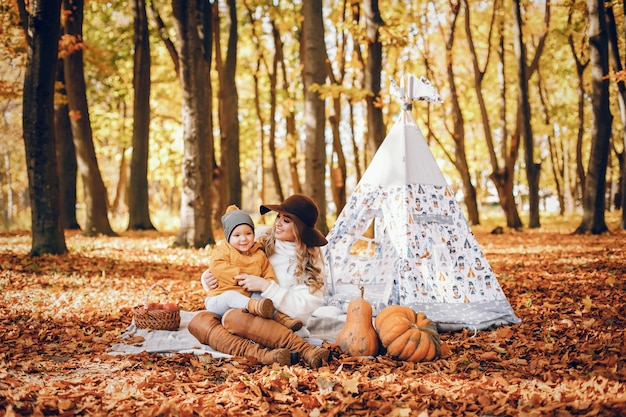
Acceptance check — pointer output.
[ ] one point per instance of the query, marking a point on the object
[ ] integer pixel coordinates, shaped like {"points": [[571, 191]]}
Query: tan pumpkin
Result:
{"points": [[407, 335], [358, 337]]}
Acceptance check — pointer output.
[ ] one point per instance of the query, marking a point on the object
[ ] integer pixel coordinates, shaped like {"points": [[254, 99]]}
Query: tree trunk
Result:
{"points": [[557, 172], [458, 128], [504, 178], [96, 203], [163, 34], [291, 134], [229, 116], [292, 142], [261, 187], [373, 71], [622, 188], [502, 168], [460, 157], [66, 152], [338, 167], [314, 106], [621, 99], [196, 229], [569, 181], [578, 186], [355, 147], [38, 128], [533, 169], [120, 201], [338, 171], [556, 151], [504, 186], [206, 30], [219, 67], [594, 201], [7, 202], [279, 60], [138, 200]]}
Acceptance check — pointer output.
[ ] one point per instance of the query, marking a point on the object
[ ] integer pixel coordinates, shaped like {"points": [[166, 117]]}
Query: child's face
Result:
{"points": [[242, 238], [283, 228]]}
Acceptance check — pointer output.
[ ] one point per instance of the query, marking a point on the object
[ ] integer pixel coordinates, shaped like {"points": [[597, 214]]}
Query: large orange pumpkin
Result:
{"points": [[407, 335], [358, 337]]}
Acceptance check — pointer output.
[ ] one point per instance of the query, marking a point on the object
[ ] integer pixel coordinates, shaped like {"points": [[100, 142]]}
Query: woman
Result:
{"points": [[293, 247]]}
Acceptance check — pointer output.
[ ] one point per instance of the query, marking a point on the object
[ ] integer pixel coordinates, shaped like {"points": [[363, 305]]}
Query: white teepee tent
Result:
{"points": [[403, 237]]}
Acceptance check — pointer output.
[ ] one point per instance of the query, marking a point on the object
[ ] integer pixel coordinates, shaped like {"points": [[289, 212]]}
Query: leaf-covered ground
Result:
{"points": [[60, 314]]}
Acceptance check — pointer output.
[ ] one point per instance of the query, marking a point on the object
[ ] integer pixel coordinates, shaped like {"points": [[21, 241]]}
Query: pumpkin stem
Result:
{"points": [[361, 287]]}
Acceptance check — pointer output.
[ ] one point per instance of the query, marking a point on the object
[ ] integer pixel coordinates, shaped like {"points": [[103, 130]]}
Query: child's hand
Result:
{"points": [[209, 282], [251, 282]]}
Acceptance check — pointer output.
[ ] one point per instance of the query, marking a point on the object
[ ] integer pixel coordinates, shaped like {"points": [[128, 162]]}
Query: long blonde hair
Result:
{"points": [[309, 260]]}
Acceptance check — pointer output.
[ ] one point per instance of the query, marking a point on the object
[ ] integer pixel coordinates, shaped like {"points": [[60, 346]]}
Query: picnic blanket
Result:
{"points": [[323, 326]]}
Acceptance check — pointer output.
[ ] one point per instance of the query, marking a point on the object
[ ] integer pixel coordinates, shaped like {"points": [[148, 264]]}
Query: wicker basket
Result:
{"points": [[156, 319]]}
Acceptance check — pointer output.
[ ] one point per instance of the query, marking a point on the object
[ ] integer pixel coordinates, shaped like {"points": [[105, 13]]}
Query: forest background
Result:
{"points": [[526, 124], [158, 114]]}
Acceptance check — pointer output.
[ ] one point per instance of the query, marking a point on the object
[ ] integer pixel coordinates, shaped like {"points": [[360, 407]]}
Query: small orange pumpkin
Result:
{"points": [[358, 336], [407, 335]]}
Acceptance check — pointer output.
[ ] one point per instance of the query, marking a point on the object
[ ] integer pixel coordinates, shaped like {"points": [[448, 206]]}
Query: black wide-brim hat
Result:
{"points": [[304, 212]]}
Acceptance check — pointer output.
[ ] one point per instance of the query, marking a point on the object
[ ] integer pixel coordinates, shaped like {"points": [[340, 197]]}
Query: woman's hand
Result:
{"points": [[209, 282], [252, 283]]}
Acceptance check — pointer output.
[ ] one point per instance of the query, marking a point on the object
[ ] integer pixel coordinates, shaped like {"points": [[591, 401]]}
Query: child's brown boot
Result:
{"points": [[262, 307], [290, 323]]}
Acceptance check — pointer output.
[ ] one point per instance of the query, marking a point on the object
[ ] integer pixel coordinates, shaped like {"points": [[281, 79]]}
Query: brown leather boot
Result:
{"points": [[207, 328], [262, 307], [290, 323], [272, 334]]}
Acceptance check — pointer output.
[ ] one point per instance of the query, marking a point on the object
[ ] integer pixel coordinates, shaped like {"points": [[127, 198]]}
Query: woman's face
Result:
{"points": [[284, 228]]}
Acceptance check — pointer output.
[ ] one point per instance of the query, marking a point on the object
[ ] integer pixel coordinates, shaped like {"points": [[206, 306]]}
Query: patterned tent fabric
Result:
{"points": [[403, 237]]}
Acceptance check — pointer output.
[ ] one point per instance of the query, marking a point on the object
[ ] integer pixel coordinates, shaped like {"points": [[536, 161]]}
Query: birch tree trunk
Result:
{"points": [[196, 228]]}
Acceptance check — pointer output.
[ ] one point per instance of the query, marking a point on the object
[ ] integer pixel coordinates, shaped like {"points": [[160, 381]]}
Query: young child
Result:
{"points": [[241, 255]]}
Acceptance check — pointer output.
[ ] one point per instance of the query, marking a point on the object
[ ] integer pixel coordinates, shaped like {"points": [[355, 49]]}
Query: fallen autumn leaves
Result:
{"points": [[61, 313]]}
